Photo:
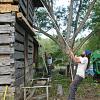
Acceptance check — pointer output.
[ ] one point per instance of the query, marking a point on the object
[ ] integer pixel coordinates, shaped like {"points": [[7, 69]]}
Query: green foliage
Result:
{"points": [[51, 47], [94, 42], [42, 19], [95, 25], [85, 91]]}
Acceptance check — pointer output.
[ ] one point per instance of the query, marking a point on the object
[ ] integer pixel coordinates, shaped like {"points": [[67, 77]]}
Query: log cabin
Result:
{"points": [[18, 46]]}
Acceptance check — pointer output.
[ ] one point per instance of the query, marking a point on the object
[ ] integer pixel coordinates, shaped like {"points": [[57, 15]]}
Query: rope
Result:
{"points": [[4, 98]]}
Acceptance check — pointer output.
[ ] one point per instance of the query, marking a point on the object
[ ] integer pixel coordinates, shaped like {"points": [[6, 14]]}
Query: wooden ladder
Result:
{"points": [[46, 86]]}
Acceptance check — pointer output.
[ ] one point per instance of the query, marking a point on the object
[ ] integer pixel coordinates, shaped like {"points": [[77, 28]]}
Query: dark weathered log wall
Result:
{"points": [[25, 48], [18, 47], [26, 6], [7, 39]]}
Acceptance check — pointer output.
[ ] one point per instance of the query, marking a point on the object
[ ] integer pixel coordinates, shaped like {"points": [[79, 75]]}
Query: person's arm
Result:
{"points": [[74, 58]]}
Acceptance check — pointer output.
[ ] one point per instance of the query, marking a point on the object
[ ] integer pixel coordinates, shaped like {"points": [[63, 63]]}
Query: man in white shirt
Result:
{"points": [[83, 62]]}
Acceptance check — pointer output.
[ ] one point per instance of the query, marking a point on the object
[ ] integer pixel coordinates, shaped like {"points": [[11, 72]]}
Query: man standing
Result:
{"points": [[49, 64], [83, 63]]}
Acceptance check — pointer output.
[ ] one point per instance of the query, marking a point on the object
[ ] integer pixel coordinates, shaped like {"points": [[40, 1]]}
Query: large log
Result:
{"points": [[19, 73], [6, 1], [6, 79], [19, 64], [30, 56], [6, 49], [19, 81], [30, 50], [19, 37], [5, 60], [19, 55], [30, 43], [20, 16], [6, 39], [5, 8], [7, 17], [19, 46], [19, 29], [30, 38], [23, 6], [5, 70], [30, 62], [6, 28]]}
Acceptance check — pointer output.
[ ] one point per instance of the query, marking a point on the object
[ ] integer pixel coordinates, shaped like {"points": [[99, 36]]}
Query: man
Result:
{"points": [[83, 63], [49, 64]]}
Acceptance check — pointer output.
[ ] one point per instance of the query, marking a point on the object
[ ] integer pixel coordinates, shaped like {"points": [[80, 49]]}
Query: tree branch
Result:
{"points": [[50, 13], [45, 33], [83, 41], [77, 16], [70, 19], [83, 22]]}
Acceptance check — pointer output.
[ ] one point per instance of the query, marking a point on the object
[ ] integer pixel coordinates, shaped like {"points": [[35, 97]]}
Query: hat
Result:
{"points": [[88, 52]]}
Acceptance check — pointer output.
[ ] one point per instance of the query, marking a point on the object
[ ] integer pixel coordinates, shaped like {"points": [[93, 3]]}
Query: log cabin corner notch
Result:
{"points": [[18, 46]]}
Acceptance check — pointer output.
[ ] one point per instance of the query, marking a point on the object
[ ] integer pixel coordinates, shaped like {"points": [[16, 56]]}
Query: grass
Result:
{"points": [[87, 90]]}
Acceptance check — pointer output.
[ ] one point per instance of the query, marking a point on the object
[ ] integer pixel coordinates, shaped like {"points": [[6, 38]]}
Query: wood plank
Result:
{"points": [[19, 37], [25, 2], [19, 64], [19, 81], [23, 6], [20, 15], [31, 8], [19, 73], [7, 17], [5, 39], [19, 46], [20, 29], [6, 79], [28, 77], [8, 1], [30, 43], [30, 50], [30, 37], [30, 56], [6, 28], [30, 62], [30, 19], [4, 70], [5, 8], [6, 49], [19, 55], [5, 60]]}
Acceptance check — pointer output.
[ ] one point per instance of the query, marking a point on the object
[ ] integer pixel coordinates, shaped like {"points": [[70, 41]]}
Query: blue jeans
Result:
{"points": [[73, 87]]}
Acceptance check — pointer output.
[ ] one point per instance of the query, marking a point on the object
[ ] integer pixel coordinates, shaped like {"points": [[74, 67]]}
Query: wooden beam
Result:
{"points": [[20, 16], [19, 55], [41, 86], [5, 70], [8, 8], [6, 1], [19, 73], [19, 36], [19, 64], [6, 79], [6, 49], [20, 30], [5, 60], [6, 28], [19, 46], [19, 81], [6, 39]]}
